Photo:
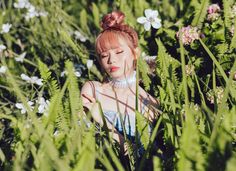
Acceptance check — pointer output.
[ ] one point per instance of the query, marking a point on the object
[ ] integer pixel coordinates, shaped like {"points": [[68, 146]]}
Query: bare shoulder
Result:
{"points": [[89, 89]]}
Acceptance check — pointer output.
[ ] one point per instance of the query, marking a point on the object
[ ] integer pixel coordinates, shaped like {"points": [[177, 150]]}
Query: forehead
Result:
{"points": [[109, 41]]}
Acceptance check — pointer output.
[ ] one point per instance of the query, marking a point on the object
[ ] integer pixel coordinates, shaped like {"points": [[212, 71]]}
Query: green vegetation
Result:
{"points": [[192, 74]]}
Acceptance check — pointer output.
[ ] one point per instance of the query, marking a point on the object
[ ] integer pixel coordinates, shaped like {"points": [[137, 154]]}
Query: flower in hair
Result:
{"points": [[150, 19]]}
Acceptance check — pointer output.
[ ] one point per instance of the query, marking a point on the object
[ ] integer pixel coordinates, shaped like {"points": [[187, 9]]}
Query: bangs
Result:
{"points": [[109, 40]]}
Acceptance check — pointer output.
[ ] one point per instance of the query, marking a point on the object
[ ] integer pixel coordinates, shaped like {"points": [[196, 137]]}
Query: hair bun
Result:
{"points": [[113, 19]]}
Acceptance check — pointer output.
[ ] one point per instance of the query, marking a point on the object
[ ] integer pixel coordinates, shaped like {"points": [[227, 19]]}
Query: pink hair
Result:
{"points": [[113, 30]]}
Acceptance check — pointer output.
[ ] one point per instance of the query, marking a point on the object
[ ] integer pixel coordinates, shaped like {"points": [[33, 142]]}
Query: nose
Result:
{"points": [[111, 59]]}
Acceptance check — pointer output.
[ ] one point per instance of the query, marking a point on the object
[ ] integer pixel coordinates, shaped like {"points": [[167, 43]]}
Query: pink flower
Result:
{"points": [[213, 16], [213, 12], [189, 34], [213, 8]]}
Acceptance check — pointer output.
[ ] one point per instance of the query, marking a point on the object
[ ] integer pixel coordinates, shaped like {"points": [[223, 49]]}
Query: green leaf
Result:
{"points": [[227, 10], [200, 13], [142, 128], [83, 20], [96, 15], [191, 156]]}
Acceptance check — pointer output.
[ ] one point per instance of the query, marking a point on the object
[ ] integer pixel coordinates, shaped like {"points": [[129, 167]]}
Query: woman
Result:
{"points": [[117, 49]]}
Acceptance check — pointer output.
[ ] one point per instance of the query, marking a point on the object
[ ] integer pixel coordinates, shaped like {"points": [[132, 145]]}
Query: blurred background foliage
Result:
{"points": [[54, 40]]}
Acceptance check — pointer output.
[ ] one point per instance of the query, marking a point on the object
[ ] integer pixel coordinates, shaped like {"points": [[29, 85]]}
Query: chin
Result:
{"points": [[117, 75]]}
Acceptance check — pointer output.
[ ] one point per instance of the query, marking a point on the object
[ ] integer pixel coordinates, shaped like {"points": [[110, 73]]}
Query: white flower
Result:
{"points": [[64, 73], [3, 69], [79, 36], [77, 73], [151, 61], [32, 80], [22, 4], [23, 108], [43, 105], [21, 57], [56, 133], [147, 57], [218, 93], [31, 13], [43, 13], [89, 63], [6, 28], [189, 69], [2, 47], [150, 19]]}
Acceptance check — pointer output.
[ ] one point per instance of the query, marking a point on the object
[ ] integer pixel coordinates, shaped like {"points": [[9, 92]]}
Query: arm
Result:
{"points": [[151, 108], [89, 102]]}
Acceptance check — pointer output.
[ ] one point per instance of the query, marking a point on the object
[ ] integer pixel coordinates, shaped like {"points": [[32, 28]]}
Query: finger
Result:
{"points": [[90, 98], [86, 107], [126, 146]]}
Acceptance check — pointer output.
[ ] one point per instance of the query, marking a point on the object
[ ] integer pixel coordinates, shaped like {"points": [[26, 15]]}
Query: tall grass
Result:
{"points": [[191, 133]]}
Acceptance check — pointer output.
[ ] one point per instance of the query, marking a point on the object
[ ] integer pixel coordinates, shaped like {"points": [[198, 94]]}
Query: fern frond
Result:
{"points": [[86, 160], [55, 103], [190, 152], [167, 73], [233, 41], [227, 9], [142, 128], [143, 69], [96, 72], [74, 93], [200, 13], [46, 75], [63, 118], [67, 39]]}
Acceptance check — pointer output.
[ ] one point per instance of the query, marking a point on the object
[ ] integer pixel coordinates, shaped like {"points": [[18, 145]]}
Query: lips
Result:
{"points": [[114, 68]]}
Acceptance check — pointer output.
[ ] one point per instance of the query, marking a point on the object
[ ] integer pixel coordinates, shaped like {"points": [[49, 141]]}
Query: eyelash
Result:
{"points": [[104, 56], [119, 52]]}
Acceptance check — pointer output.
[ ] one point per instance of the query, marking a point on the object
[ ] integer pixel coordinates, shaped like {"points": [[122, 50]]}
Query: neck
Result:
{"points": [[126, 82]]}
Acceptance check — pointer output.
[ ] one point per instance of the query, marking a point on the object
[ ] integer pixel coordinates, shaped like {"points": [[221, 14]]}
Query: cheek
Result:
{"points": [[129, 61], [103, 63]]}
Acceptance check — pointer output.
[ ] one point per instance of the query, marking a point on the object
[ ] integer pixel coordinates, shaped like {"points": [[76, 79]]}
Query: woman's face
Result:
{"points": [[118, 61]]}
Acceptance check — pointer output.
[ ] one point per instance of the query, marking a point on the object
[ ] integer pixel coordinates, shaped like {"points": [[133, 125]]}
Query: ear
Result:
{"points": [[137, 52]]}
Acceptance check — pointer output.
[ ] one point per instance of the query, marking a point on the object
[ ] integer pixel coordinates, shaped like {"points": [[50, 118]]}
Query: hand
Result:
{"points": [[93, 107], [126, 147]]}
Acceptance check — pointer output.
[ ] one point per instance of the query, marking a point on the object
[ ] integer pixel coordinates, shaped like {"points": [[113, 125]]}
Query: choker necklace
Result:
{"points": [[124, 83]]}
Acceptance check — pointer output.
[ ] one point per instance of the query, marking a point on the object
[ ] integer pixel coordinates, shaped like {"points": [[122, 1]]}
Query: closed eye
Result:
{"points": [[104, 56], [119, 52]]}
